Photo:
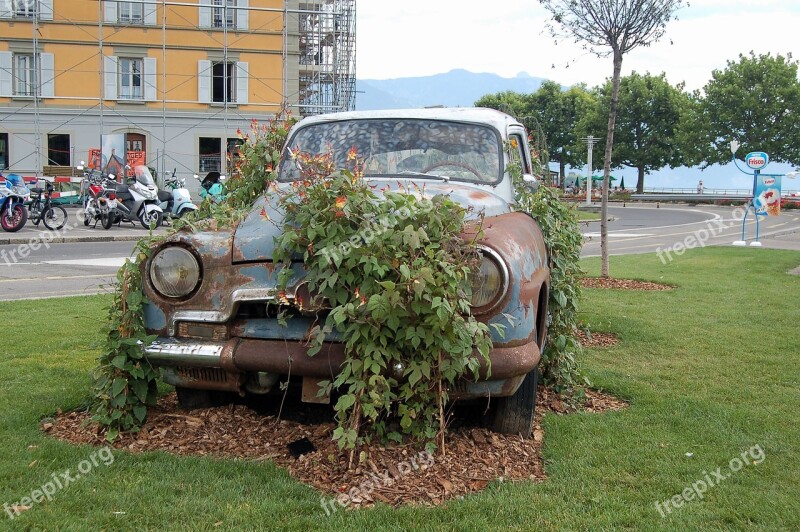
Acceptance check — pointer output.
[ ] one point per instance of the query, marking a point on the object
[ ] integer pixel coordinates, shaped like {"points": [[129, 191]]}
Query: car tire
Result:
{"points": [[514, 414], [191, 399]]}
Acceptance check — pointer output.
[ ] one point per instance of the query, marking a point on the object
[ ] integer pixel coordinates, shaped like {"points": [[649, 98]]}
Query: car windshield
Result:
{"points": [[393, 147]]}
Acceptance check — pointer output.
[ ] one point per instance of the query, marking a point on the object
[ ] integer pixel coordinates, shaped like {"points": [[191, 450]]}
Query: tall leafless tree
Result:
{"points": [[610, 27]]}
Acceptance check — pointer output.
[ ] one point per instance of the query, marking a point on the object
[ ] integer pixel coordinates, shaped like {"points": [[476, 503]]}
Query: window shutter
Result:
{"points": [[6, 9], [150, 10], [241, 82], [150, 79], [204, 81], [110, 11], [110, 68], [242, 15], [47, 69], [45, 9], [205, 16], [5, 74]]}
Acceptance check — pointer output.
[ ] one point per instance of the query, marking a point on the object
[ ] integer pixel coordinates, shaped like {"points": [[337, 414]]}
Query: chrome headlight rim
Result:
{"points": [[492, 255], [156, 285]]}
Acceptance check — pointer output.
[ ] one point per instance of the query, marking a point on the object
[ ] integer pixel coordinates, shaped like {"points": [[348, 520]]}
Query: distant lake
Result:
{"points": [[714, 177]]}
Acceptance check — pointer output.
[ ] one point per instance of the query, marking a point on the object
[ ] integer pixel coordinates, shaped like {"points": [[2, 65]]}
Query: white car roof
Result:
{"points": [[479, 115]]}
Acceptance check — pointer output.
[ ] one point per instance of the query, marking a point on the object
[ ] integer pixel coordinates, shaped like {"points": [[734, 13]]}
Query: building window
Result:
{"points": [[3, 151], [58, 149], [223, 82], [26, 82], [210, 149], [223, 14], [131, 12], [25, 8], [130, 79]]}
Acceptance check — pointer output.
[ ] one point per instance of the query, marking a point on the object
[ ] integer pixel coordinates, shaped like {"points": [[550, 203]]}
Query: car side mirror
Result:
{"points": [[530, 182]]}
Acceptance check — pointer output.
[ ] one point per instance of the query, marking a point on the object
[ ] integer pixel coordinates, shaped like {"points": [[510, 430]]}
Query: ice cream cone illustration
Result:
{"points": [[773, 201]]}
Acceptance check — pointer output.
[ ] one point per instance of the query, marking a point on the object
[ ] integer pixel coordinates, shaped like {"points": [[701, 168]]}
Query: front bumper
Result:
{"points": [[229, 361]]}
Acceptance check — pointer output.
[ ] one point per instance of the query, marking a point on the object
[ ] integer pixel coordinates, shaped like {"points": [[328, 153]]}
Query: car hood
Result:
{"points": [[254, 239]]}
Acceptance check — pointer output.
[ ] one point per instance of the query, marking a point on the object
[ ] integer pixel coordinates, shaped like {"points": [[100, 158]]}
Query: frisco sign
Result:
{"points": [[756, 160]]}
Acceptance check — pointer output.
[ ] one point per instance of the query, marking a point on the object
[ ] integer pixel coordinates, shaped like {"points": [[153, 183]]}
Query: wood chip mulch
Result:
{"points": [[394, 475], [596, 339], [622, 284]]}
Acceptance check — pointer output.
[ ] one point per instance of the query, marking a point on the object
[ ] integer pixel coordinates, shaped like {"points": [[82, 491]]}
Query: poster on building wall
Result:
{"points": [[95, 159], [135, 158], [113, 154]]}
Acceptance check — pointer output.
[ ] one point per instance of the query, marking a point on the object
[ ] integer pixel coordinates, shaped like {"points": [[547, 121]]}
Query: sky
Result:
{"points": [[425, 37]]}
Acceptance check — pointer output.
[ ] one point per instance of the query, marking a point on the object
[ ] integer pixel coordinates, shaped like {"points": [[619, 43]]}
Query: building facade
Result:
{"points": [[175, 78]]}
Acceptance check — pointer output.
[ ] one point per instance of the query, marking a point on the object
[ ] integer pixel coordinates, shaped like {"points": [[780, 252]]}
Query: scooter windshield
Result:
{"points": [[144, 176]]}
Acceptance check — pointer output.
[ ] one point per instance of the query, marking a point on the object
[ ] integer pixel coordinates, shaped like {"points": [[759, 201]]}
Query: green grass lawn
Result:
{"points": [[710, 369]]}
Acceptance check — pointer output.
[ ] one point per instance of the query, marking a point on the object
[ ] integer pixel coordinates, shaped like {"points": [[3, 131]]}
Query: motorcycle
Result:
{"points": [[213, 185], [99, 193], [13, 196], [176, 201], [138, 200]]}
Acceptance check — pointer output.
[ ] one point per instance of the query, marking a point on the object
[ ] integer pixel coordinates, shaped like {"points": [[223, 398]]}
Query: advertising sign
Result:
{"points": [[767, 195], [113, 152], [756, 160], [95, 159], [135, 158]]}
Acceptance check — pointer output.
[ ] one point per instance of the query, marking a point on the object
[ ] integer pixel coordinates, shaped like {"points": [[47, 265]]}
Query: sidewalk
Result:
{"points": [[75, 231]]}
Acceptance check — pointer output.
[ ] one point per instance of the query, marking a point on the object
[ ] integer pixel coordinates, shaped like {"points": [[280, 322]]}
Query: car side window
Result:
{"points": [[518, 153]]}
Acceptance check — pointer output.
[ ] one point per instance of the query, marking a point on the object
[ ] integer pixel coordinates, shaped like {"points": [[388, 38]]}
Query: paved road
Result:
{"points": [[639, 228], [85, 264]]}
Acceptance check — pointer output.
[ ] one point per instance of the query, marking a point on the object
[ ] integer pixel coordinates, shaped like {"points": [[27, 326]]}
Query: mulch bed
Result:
{"points": [[596, 339], [622, 284], [474, 456]]}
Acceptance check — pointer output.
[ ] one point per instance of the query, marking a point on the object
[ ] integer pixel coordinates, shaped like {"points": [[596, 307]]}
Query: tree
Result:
{"points": [[647, 123], [554, 111], [754, 101], [510, 102], [610, 27], [558, 112]]}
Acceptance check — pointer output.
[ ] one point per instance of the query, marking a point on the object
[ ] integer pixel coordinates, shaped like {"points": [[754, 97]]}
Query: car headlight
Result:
{"points": [[490, 283], [174, 272]]}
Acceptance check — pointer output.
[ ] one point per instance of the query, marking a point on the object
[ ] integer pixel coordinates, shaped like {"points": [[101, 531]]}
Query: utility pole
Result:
{"points": [[590, 142]]}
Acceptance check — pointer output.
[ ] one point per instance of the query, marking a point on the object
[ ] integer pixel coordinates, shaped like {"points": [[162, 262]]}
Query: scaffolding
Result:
{"points": [[324, 42], [317, 71]]}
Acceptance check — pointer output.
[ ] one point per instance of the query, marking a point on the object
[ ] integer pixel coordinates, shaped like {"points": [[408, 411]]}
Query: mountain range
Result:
{"points": [[457, 88]]}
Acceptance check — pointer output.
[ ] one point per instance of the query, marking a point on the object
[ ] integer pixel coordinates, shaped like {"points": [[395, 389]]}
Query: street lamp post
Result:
{"points": [[590, 142]]}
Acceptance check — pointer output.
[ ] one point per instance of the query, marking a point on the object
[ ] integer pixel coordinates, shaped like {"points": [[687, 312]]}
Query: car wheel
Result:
{"points": [[514, 414], [191, 399]]}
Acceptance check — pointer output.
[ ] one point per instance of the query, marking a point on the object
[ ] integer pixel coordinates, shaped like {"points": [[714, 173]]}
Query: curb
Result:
{"points": [[65, 240]]}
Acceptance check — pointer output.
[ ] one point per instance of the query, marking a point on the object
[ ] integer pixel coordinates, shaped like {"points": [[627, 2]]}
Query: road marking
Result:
{"points": [[59, 278], [623, 235], [115, 262]]}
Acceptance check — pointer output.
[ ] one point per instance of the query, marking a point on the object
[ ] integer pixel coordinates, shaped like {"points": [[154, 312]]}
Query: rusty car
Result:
{"points": [[212, 298]]}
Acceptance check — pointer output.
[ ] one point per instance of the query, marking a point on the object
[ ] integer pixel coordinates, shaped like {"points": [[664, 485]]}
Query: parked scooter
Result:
{"points": [[176, 200], [13, 196], [99, 197], [138, 200], [213, 184]]}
